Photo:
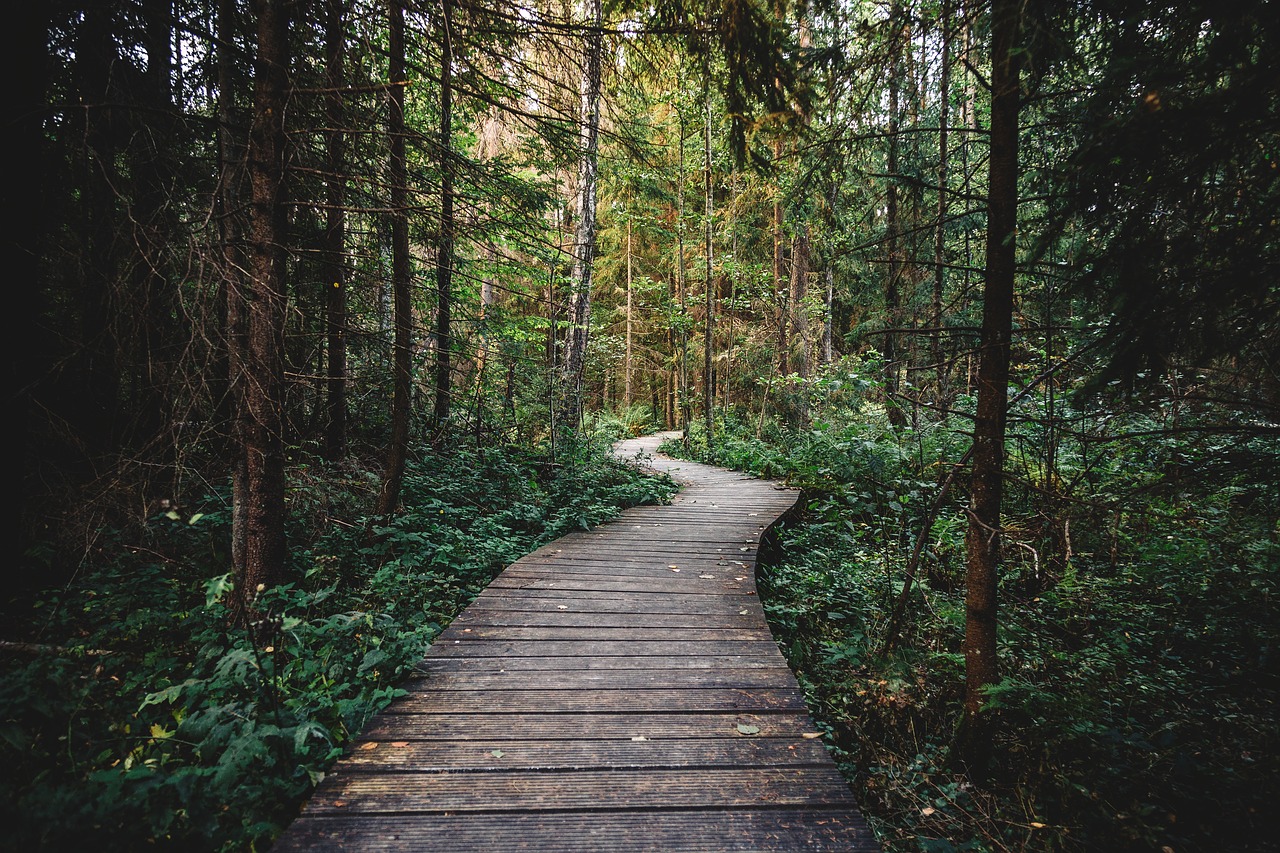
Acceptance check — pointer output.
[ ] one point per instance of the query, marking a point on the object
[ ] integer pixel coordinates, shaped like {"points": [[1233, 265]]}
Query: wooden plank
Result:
{"points": [[602, 633], [530, 791], [614, 679], [585, 619], [397, 724], [562, 648], [592, 662], [758, 830], [546, 755], [566, 618], [690, 700]]}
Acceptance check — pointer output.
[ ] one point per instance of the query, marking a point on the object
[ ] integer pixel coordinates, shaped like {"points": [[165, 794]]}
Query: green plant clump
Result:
{"points": [[139, 715], [1139, 628]]}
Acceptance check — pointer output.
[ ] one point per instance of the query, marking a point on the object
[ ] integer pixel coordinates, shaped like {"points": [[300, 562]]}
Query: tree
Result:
{"points": [[398, 176], [335, 232], [584, 241], [261, 380], [973, 738], [445, 247]]}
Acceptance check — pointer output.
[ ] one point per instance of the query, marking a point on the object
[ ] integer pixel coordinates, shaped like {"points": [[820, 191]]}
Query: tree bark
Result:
{"points": [[892, 296], [444, 252], [584, 248], [335, 232], [398, 451], [708, 343], [974, 736], [261, 384], [627, 364], [939, 234]]}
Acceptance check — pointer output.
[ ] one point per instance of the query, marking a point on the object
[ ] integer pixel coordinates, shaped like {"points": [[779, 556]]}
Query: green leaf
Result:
{"points": [[744, 729], [215, 589]]}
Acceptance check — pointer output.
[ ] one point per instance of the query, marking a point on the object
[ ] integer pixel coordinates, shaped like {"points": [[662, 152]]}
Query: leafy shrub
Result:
{"points": [[144, 717]]}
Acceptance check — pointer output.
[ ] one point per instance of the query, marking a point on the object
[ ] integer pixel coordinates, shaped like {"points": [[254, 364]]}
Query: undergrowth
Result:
{"points": [[1139, 627], [136, 715]]}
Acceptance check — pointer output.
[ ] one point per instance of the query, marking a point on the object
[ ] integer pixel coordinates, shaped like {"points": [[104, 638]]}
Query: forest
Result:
{"points": [[327, 310]]}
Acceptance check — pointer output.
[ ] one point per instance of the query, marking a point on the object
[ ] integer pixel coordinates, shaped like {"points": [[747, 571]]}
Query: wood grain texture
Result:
{"points": [[615, 690]]}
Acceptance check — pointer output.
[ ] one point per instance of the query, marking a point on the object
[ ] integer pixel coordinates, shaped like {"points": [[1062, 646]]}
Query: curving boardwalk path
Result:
{"points": [[616, 690]]}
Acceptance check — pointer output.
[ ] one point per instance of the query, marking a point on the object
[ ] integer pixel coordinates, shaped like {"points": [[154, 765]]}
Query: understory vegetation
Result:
{"points": [[139, 715], [1139, 621]]}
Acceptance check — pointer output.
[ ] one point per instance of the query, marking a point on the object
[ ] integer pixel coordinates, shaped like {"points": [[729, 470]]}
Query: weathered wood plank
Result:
{"points": [[758, 830], [523, 791], [486, 727], [545, 755], [602, 633], [592, 662], [691, 700], [583, 679], [562, 648]]}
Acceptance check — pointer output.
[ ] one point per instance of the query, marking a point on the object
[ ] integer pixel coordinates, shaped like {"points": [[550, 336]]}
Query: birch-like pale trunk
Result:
{"points": [[584, 243]]}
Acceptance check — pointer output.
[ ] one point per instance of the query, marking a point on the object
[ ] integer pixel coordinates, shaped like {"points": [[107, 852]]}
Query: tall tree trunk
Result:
{"points": [[939, 234], [800, 257], [402, 356], [892, 295], [973, 738], [827, 324], [262, 381], [708, 342], [682, 285], [444, 254], [628, 363], [335, 231], [232, 345], [779, 282], [584, 244]]}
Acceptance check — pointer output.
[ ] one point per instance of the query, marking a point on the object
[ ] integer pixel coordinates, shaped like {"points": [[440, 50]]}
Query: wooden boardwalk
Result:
{"points": [[616, 690]]}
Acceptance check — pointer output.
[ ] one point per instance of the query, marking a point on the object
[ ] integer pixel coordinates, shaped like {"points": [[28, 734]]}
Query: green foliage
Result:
{"points": [[148, 718], [1139, 628]]}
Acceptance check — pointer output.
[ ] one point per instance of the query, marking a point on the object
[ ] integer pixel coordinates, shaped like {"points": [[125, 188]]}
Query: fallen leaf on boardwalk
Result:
{"points": [[811, 735], [743, 612], [744, 729], [675, 570], [497, 753], [639, 737], [339, 803], [707, 577], [744, 549], [399, 744], [739, 579], [369, 745], [562, 607], [673, 566]]}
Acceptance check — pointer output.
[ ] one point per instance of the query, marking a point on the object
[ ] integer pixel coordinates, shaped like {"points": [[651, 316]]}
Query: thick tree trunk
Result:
{"points": [[261, 384], [584, 244], [973, 739], [335, 233], [398, 451]]}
